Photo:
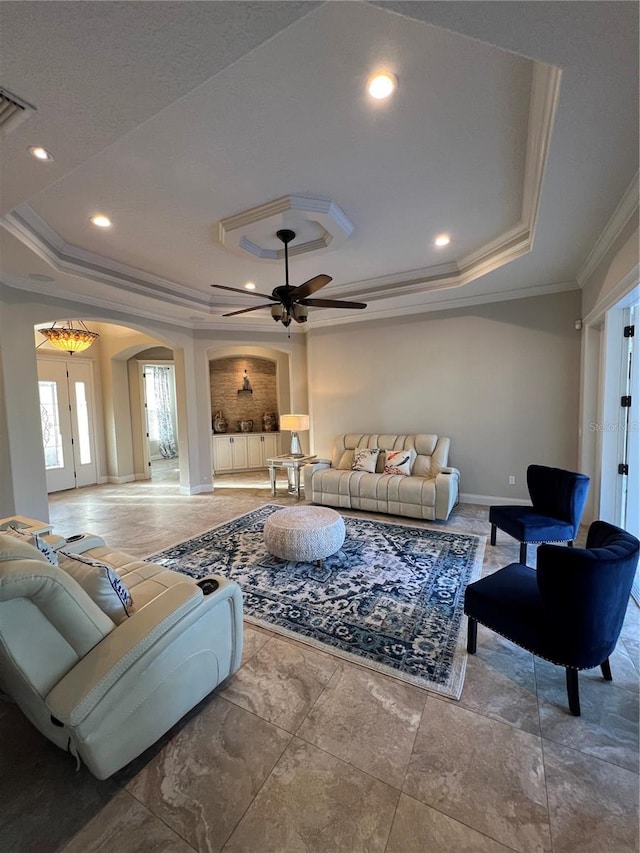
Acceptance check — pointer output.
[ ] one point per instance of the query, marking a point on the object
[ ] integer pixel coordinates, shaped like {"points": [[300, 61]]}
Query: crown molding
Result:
{"points": [[627, 206], [27, 226], [454, 302]]}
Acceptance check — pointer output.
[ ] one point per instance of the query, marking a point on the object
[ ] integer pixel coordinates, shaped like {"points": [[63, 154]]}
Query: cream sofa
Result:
{"points": [[105, 691], [429, 492]]}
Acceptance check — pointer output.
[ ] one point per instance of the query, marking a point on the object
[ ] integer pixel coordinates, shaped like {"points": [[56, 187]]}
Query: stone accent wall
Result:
{"points": [[225, 376]]}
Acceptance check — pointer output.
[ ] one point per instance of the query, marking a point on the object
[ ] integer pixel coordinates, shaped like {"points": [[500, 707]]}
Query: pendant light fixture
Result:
{"points": [[70, 338]]}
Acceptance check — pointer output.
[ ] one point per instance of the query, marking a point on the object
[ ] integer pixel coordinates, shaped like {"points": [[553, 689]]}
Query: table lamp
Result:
{"points": [[295, 423]]}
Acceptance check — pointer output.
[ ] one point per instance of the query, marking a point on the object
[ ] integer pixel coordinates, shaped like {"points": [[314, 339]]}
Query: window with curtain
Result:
{"points": [[159, 399]]}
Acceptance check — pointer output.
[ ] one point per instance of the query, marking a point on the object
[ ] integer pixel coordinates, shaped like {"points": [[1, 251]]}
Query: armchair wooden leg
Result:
{"points": [[493, 534], [523, 553], [605, 666], [572, 691], [472, 635], [570, 543]]}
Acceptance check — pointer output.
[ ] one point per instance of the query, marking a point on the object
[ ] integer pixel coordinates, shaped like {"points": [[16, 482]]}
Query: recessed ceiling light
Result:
{"points": [[101, 220], [40, 153], [382, 85], [442, 240], [250, 286]]}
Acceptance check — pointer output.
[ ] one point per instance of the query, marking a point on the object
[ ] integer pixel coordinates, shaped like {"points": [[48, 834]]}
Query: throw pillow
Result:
{"points": [[37, 541], [102, 584], [399, 461], [16, 548], [364, 459]]}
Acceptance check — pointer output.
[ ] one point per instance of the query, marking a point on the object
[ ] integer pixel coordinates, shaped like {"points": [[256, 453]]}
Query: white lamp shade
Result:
{"points": [[295, 423]]}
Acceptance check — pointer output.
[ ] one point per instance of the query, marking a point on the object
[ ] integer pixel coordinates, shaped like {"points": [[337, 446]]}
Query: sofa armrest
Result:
{"points": [[83, 687], [85, 542], [309, 470], [447, 483]]}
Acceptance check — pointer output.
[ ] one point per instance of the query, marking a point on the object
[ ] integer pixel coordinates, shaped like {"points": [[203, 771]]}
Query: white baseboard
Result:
{"points": [[202, 489], [102, 480], [119, 481], [492, 500], [144, 476]]}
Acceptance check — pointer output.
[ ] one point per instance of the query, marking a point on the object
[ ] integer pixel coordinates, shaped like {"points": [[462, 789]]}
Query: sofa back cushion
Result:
{"points": [[432, 452]]}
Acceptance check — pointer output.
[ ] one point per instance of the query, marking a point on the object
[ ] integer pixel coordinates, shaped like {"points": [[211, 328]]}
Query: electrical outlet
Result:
{"points": [[512, 480]]}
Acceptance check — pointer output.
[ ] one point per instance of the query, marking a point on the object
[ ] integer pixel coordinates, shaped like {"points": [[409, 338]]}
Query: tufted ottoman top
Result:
{"points": [[304, 533]]}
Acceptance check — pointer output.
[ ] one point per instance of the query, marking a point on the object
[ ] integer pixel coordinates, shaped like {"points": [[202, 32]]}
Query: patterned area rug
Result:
{"points": [[390, 599]]}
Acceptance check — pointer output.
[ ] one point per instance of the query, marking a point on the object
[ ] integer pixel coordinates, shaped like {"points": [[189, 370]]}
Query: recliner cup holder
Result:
{"points": [[208, 585]]}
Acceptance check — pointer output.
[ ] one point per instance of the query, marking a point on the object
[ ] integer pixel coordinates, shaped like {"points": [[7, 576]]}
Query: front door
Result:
{"points": [[66, 411]]}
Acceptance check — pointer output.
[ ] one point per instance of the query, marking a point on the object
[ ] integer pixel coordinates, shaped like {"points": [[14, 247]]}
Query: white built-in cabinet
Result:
{"points": [[240, 451]]}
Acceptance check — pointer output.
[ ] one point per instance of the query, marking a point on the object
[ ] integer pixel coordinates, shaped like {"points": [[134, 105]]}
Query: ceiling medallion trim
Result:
{"points": [[335, 225]]}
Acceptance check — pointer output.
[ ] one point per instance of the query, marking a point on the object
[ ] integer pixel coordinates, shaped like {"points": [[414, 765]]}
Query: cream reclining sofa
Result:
{"points": [[429, 492], [105, 691]]}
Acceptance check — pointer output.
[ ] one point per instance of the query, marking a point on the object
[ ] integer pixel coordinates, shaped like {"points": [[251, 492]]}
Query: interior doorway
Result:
{"points": [[161, 421], [67, 417]]}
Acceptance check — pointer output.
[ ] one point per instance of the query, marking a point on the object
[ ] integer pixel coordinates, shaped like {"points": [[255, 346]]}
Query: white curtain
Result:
{"points": [[164, 410]]}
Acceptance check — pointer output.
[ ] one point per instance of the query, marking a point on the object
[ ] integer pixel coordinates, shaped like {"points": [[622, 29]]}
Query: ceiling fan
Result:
{"points": [[289, 303]]}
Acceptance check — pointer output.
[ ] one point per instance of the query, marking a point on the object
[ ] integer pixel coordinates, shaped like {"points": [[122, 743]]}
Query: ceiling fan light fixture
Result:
{"points": [[300, 313], [276, 311]]}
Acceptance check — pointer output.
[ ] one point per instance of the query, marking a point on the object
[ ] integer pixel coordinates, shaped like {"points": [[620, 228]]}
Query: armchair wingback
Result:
{"points": [[570, 611], [557, 502], [102, 691]]}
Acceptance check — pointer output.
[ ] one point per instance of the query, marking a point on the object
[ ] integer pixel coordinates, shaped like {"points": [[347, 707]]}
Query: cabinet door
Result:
{"points": [[269, 446], [255, 455], [239, 451], [221, 452]]}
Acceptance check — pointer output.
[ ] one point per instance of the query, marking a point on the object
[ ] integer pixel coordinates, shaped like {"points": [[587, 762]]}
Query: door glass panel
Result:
{"points": [[49, 417], [82, 414]]}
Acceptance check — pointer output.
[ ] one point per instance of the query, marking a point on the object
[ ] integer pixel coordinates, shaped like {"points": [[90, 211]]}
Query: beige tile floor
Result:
{"points": [[301, 751]]}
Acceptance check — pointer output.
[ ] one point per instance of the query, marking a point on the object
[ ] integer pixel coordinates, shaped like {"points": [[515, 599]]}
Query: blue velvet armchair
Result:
{"points": [[557, 497], [570, 611]]}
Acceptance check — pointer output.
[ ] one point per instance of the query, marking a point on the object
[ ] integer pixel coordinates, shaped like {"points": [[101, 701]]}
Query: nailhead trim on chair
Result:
{"points": [[535, 654]]}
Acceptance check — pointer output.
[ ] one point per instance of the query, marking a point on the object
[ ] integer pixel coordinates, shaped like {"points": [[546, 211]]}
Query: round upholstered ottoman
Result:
{"points": [[304, 533]]}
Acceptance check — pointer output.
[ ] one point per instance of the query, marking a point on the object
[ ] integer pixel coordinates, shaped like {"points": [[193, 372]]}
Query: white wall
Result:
{"points": [[500, 380]]}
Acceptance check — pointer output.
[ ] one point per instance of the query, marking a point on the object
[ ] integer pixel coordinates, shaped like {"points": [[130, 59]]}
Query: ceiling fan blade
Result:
{"points": [[331, 303], [249, 292], [309, 287], [245, 310]]}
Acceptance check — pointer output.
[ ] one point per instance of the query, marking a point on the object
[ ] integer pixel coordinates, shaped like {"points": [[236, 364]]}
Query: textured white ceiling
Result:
{"points": [[172, 116]]}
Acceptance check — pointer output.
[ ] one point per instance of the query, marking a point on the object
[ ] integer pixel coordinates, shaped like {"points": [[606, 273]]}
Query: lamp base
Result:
{"points": [[295, 450]]}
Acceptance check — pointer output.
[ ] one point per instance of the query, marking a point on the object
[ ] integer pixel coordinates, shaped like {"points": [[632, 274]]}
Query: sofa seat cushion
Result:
{"points": [[360, 487], [144, 580]]}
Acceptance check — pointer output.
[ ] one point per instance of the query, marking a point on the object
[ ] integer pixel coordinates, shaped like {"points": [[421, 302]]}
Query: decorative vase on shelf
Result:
{"points": [[245, 426], [269, 421], [219, 423]]}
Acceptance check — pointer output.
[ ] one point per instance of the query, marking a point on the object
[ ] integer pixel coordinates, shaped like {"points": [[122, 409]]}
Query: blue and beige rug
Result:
{"points": [[390, 599]]}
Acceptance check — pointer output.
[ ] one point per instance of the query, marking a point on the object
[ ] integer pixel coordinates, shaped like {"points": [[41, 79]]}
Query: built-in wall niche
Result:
{"points": [[226, 376]]}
